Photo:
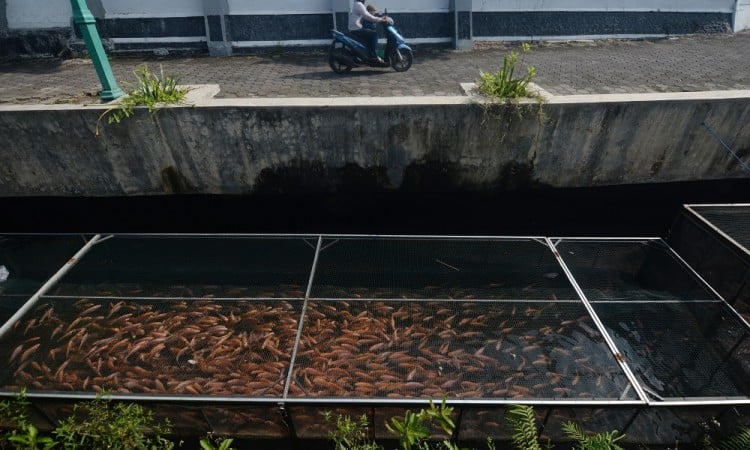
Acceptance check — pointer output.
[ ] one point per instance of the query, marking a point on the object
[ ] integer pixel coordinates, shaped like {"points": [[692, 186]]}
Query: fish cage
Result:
{"points": [[715, 240], [253, 336]]}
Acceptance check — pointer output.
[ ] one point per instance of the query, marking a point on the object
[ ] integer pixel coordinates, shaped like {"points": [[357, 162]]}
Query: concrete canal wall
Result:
{"points": [[222, 27], [253, 146]]}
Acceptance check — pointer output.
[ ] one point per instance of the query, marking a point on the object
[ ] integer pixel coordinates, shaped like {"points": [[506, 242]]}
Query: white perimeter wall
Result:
{"points": [[605, 5], [151, 8], [742, 15], [38, 13], [57, 13], [325, 6], [279, 6]]}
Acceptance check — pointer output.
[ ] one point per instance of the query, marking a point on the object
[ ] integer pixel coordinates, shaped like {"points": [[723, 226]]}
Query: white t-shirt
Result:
{"points": [[358, 13]]}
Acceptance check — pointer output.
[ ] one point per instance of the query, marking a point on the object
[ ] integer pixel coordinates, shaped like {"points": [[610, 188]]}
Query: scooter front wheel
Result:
{"points": [[335, 59], [401, 60]]}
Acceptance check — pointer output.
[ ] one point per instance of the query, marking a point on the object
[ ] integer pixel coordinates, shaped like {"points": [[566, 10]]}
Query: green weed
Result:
{"points": [[152, 92], [211, 442], [350, 434], [413, 432], [599, 441], [503, 85], [101, 423]]}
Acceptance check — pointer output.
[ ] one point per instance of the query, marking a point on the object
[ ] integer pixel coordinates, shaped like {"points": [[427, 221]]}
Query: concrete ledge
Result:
{"points": [[199, 93], [652, 97], [472, 90], [196, 94], [412, 144], [203, 96]]}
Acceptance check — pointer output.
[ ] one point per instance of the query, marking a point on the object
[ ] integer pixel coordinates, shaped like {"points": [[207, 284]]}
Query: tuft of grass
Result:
{"points": [[503, 84], [152, 91]]}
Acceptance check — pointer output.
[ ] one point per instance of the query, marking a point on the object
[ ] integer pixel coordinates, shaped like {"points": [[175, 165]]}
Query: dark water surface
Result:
{"points": [[642, 210], [645, 210]]}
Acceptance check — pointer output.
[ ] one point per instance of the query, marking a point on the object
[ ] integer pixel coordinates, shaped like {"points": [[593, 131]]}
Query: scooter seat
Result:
{"points": [[356, 38]]}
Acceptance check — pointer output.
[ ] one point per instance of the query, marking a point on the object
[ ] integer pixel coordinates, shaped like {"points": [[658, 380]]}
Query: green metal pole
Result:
{"points": [[86, 23]]}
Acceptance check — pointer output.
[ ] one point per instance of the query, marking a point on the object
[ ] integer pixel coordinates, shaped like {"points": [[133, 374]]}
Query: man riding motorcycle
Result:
{"points": [[366, 36]]}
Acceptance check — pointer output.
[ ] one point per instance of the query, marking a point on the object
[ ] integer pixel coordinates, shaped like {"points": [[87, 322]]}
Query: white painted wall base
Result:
{"points": [[742, 15]]}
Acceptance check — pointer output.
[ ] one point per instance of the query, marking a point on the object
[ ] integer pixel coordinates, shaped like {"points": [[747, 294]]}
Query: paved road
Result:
{"points": [[687, 63]]}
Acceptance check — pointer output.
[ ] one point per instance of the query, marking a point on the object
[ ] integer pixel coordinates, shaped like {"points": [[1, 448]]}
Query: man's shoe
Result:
{"points": [[379, 60]]}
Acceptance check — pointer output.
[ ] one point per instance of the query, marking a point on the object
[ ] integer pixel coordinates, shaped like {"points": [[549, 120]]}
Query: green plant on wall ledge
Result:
{"points": [[152, 92], [505, 89], [503, 85]]}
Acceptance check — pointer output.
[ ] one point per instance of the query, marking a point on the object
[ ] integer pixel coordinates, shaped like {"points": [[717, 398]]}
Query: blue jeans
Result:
{"points": [[367, 37]]}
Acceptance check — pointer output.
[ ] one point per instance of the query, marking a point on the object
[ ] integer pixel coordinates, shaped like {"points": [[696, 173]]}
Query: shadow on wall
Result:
{"points": [[49, 43]]}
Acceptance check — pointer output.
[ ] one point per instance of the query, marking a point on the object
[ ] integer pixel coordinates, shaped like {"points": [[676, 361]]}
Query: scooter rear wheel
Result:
{"points": [[335, 62], [401, 60]]}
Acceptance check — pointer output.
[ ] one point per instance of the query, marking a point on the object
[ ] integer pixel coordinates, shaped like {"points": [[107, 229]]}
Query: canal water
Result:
{"points": [[639, 210], [645, 210]]}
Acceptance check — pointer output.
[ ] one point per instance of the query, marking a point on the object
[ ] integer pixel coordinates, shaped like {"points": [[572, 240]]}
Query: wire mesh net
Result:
{"points": [[681, 350], [30, 260], [226, 267], [439, 269], [478, 423], [198, 347], [680, 424], [26, 263], [592, 420], [733, 220], [184, 419], [719, 262], [9, 304], [630, 270], [389, 321], [256, 421], [459, 349]]}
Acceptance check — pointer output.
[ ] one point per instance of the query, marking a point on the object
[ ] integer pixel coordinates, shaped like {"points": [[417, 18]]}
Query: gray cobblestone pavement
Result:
{"points": [[682, 64]]}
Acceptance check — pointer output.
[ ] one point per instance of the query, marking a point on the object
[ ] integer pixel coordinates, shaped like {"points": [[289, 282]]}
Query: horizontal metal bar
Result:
{"points": [[324, 299], [379, 299], [460, 402], [290, 401], [58, 395], [428, 237], [216, 235], [654, 301], [695, 401], [345, 236], [328, 236], [446, 300], [604, 238], [140, 297], [704, 402], [714, 205]]}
